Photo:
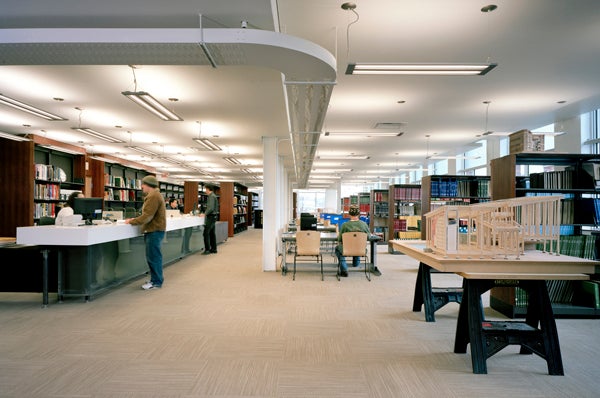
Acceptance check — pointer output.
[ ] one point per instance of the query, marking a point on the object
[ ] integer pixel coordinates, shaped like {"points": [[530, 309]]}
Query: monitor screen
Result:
{"points": [[308, 223], [89, 208]]}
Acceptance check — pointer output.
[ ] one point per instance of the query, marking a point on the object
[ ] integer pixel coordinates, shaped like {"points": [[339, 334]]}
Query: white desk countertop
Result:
{"points": [[51, 235]]}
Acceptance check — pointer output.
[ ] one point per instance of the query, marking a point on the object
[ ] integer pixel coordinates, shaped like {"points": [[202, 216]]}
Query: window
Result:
{"points": [[504, 146], [308, 201], [590, 130], [548, 139], [475, 159]]}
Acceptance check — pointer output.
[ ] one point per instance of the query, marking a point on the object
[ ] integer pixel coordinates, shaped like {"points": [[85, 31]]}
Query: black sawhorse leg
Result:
{"points": [[432, 298], [489, 337]]}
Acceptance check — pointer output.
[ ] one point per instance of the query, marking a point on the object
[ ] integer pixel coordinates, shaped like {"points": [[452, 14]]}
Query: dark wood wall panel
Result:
{"points": [[16, 187], [190, 196]]}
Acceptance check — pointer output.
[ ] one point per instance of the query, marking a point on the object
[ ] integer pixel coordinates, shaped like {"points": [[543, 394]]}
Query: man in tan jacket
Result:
{"points": [[154, 223]]}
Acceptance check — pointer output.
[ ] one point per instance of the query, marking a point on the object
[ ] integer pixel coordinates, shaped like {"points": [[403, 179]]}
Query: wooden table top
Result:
{"points": [[532, 262]]}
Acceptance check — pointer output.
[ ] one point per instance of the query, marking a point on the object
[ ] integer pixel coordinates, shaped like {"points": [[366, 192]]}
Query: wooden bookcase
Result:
{"points": [[123, 189], [233, 206], [170, 190], [405, 212], [440, 190], [379, 214], [572, 177]]}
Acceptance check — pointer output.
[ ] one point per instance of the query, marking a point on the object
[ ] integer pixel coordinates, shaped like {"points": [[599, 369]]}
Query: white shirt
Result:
{"points": [[62, 214]]}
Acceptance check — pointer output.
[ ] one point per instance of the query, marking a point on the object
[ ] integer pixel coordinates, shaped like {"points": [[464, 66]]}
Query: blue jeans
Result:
{"points": [[342, 259], [154, 257]]}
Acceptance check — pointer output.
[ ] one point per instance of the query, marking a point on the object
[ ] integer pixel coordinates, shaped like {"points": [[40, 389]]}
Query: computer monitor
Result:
{"points": [[89, 208], [308, 223]]}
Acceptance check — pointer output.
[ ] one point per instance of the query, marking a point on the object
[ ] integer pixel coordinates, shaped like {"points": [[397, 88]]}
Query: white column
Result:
{"points": [[270, 208]]}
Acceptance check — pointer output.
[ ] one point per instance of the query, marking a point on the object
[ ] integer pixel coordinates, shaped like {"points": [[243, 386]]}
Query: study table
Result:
{"points": [[320, 228], [92, 258], [327, 237], [530, 273]]}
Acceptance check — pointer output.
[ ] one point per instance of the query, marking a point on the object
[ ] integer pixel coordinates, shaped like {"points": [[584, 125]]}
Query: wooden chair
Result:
{"points": [[354, 244], [308, 244]]}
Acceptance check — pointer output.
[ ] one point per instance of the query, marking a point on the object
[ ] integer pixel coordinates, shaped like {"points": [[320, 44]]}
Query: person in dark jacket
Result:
{"points": [[210, 218]]}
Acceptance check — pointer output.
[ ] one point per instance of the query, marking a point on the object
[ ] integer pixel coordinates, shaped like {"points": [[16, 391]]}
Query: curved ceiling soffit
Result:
{"points": [[309, 70]]}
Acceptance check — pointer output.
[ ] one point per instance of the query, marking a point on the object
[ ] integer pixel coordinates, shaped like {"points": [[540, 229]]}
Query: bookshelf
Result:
{"points": [[233, 206], [345, 205], [572, 176], [171, 190], [404, 212], [56, 175], [123, 188], [252, 206], [364, 203], [441, 190], [379, 214]]}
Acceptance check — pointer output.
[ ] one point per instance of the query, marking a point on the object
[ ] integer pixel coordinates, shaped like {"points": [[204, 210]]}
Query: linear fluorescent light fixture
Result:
{"points": [[61, 149], [152, 105], [13, 137], [97, 134], [207, 144], [29, 108], [142, 150], [232, 160], [343, 157], [419, 69], [323, 171], [453, 157], [357, 134]]}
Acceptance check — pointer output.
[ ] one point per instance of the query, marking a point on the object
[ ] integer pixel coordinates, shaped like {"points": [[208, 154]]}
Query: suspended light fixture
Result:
{"points": [[13, 137], [377, 68], [94, 133], [4, 100], [150, 103], [205, 142]]}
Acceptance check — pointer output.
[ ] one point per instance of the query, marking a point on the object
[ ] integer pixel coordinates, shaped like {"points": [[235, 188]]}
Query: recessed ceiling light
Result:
{"points": [[561, 102], [401, 102], [27, 125], [119, 127], [58, 99]]}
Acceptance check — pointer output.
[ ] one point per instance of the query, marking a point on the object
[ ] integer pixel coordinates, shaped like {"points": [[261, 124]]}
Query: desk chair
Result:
{"points": [[308, 243], [130, 212], [354, 244], [47, 220]]}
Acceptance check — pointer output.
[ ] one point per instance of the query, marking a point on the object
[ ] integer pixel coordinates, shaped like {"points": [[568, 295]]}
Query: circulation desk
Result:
{"points": [[530, 273], [93, 258]]}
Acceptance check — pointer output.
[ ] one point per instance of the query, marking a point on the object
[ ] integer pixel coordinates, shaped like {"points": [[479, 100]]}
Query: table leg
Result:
{"points": [[45, 278], [461, 339], [59, 282], [475, 320], [539, 297], [428, 300], [418, 297]]}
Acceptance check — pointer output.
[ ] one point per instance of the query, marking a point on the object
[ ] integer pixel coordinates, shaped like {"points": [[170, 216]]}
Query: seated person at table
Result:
{"points": [[354, 225], [174, 205], [67, 210]]}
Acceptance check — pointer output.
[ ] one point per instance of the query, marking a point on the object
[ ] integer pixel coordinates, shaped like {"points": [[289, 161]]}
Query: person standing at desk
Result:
{"points": [[67, 211], [154, 224], [174, 205], [210, 219], [354, 225]]}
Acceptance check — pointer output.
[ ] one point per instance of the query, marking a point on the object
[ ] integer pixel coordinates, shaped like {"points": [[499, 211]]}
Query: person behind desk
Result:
{"points": [[210, 219], [154, 224], [174, 205], [67, 211], [354, 225]]}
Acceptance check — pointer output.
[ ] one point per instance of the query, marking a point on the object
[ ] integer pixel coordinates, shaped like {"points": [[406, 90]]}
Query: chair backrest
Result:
{"points": [[354, 243], [47, 220], [308, 243]]}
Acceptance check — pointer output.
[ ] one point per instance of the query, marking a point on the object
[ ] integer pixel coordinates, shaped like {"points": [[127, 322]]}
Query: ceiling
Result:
{"points": [[546, 52]]}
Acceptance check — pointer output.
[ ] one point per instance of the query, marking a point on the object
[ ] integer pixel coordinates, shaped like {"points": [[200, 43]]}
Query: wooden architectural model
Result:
{"points": [[498, 228]]}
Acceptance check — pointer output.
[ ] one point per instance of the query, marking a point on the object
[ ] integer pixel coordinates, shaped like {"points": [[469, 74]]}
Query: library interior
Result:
{"points": [[464, 136]]}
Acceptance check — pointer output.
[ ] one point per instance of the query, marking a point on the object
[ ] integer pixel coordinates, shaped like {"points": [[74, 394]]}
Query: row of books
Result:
{"points": [[470, 188], [241, 220], [381, 209], [47, 172], [239, 209], [241, 200], [409, 223], [552, 180], [122, 182], [44, 210], [364, 199], [380, 196], [436, 204], [409, 194], [444, 187], [405, 210], [123, 195], [46, 191], [578, 246], [365, 207], [408, 235]]}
